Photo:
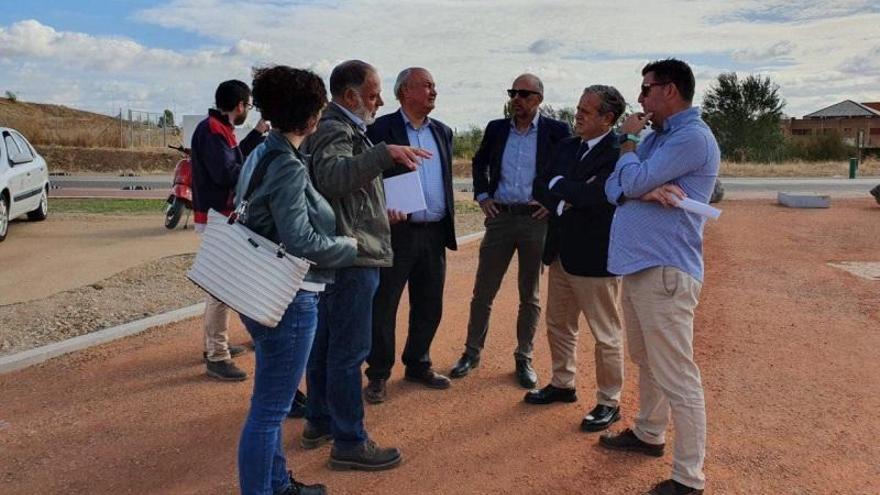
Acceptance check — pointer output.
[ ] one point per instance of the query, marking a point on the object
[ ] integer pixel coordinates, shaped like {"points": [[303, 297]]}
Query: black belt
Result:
{"points": [[517, 209], [423, 225]]}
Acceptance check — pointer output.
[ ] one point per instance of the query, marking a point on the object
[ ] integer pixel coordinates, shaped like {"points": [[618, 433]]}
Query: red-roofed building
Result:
{"points": [[846, 118]]}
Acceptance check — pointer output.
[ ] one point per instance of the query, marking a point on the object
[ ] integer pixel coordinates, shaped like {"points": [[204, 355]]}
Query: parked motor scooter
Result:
{"points": [[180, 198]]}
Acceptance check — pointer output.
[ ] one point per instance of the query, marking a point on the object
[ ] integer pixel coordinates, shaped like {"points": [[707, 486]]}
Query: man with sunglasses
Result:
{"points": [[512, 154], [658, 250], [217, 157]]}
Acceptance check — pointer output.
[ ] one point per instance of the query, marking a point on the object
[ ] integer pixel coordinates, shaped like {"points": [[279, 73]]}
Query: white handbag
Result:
{"points": [[247, 272]]}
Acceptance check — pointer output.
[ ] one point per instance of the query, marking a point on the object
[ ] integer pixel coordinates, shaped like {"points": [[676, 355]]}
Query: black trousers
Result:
{"points": [[420, 262]]}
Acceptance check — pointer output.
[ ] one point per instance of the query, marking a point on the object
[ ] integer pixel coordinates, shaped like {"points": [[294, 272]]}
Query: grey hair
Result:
{"points": [[535, 79], [349, 74], [402, 78], [611, 99]]}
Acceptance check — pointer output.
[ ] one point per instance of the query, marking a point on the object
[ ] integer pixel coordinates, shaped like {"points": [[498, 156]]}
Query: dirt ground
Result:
{"points": [[786, 343]]}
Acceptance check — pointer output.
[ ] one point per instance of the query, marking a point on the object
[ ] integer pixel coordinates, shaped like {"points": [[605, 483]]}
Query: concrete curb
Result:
{"points": [[38, 355]]}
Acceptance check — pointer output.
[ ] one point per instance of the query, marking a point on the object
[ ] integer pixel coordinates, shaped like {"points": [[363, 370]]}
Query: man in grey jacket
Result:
{"points": [[347, 170]]}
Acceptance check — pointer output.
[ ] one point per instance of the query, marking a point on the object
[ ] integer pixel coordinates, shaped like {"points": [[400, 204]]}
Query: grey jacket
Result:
{"points": [[286, 208], [347, 169]]}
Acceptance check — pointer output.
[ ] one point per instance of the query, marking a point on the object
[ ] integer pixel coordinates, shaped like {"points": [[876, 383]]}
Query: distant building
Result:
{"points": [[846, 118]]}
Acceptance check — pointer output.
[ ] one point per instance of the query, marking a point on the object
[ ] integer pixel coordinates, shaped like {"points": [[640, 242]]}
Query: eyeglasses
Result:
{"points": [[646, 87], [522, 93], [249, 106]]}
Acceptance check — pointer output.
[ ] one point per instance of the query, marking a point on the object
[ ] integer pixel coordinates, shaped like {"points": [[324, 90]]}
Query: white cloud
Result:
{"points": [[474, 49]]}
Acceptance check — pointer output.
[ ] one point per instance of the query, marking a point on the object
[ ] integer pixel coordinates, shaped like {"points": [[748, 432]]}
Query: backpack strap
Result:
{"points": [[260, 172]]}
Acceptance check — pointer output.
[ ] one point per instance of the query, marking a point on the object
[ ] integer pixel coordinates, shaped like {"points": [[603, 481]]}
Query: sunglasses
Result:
{"points": [[646, 88], [522, 93]]}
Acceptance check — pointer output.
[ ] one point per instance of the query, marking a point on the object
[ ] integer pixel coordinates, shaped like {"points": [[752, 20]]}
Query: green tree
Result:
{"points": [[565, 114], [465, 143], [744, 115], [166, 119], [12, 96]]}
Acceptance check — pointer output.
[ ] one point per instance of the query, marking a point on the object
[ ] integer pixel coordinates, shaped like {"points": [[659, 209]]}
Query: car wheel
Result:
{"points": [[42, 211], [4, 217], [172, 213]]}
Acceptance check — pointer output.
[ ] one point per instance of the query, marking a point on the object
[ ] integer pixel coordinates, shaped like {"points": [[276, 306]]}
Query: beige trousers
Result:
{"points": [[658, 307], [598, 298], [216, 330]]}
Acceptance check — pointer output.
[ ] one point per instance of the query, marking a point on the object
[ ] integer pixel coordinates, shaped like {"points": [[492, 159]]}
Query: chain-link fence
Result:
{"points": [[143, 129]]}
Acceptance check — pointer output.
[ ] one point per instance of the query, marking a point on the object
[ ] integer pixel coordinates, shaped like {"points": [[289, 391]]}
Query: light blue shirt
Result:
{"points": [[518, 165], [645, 234], [430, 171]]}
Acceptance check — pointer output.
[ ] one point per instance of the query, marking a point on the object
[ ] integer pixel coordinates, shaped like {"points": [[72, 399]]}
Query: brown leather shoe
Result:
{"points": [[628, 441], [672, 487], [374, 392], [428, 378]]}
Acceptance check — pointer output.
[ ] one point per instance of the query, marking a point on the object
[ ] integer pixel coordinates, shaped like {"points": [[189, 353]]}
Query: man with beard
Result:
{"points": [[216, 160], [512, 154], [419, 243], [347, 170]]}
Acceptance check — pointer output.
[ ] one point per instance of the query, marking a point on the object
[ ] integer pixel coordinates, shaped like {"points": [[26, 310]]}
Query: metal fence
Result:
{"points": [[143, 129]]}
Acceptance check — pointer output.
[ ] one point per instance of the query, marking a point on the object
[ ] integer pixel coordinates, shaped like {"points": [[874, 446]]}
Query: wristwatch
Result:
{"points": [[628, 137]]}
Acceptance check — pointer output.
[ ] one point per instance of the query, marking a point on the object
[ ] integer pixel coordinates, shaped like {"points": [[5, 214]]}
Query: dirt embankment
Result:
{"points": [[109, 160]]}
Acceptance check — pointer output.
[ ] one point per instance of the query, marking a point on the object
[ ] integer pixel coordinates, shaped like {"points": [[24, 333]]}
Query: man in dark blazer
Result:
{"points": [[419, 243], [573, 188], [512, 154]]}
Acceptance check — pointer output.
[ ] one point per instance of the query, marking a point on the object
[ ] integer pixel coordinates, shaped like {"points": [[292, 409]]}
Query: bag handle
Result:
{"points": [[256, 179]]}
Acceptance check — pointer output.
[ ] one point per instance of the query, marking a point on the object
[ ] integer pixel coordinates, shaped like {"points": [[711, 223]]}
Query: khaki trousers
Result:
{"points": [[598, 298], [216, 331], [658, 307]]}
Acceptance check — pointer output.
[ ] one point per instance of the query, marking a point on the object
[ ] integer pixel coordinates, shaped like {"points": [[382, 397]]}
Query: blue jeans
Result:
{"points": [[282, 353], [342, 344]]}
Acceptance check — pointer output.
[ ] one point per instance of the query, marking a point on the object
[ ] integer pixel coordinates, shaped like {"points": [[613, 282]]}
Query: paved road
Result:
{"points": [[156, 186]]}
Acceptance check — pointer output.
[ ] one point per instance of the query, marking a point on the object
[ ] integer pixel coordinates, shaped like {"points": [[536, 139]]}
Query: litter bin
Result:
{"points": [[853, 167]]}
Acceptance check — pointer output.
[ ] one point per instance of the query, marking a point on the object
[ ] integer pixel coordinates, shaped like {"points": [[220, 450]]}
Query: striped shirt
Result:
{"points": [[644, 234]]}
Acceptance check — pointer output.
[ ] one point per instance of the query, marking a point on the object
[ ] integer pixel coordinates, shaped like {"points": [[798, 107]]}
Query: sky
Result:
{"points": [[156, 54]]}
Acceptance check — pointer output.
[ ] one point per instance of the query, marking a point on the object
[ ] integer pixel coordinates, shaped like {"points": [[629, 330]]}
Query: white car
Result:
{"points": [[24, 180]]}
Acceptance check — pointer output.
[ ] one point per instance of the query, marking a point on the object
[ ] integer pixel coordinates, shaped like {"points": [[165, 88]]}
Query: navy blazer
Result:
{"points": [[391, 129], [580, 236], [486, 166]]}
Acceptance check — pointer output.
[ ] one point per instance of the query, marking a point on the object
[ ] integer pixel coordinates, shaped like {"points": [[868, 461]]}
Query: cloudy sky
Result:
{"points": [[157, 54]]}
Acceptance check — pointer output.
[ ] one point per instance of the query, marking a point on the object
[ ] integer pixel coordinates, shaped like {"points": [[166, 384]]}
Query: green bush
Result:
{"points": [[823, 147], [466, 143]]}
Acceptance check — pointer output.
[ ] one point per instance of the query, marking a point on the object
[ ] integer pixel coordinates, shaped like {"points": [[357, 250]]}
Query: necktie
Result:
{"points": [[582, 149]]}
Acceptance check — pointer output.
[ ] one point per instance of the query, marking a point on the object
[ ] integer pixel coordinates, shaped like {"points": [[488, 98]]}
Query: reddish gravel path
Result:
{"points": [[787, 345]]}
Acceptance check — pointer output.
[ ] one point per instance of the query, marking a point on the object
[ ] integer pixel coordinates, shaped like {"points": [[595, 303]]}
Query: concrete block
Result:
{"points": [[804, 200]]}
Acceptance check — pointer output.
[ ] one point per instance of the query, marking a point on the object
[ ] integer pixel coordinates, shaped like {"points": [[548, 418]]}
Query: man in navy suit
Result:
{"points": [[573, 189], [419, 242], [512, 154]]}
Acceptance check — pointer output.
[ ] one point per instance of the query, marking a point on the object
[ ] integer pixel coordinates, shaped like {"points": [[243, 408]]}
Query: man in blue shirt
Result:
{"points": [[512, 154], [419, 243], [658, 249]]}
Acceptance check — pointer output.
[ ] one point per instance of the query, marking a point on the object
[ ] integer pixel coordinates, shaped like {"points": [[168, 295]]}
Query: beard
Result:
{"points": [[239, 120], [361, 111]]}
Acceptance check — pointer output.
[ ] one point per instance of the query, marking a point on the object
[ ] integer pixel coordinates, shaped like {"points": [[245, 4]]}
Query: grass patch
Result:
{"points": [[108, 206], [464, 207]]}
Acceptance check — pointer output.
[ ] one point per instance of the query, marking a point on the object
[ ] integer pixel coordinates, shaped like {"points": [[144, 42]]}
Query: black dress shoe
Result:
{"points": [[600, 418], [525, 374], [428, 378], [672, 487], [374, 392], [550, 394], [628, 441], [297, 488], [464, 366]]}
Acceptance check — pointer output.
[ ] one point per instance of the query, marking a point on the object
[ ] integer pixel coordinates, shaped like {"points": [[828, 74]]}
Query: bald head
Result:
{"points": [[526, 95], [530, 82]]}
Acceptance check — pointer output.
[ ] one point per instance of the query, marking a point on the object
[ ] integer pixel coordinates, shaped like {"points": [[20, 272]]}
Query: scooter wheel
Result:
{"points": [[173, 212]]}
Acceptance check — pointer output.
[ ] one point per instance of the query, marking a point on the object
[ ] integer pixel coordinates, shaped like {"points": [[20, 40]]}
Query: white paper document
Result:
{"points": [[687, 204], [404, 193]]}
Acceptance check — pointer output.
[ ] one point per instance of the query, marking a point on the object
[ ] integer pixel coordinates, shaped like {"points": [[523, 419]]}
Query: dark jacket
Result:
{"points": [[580, 236], [287, 209], [391, 129], [347, 170], [487, 160], [216, 161]]}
